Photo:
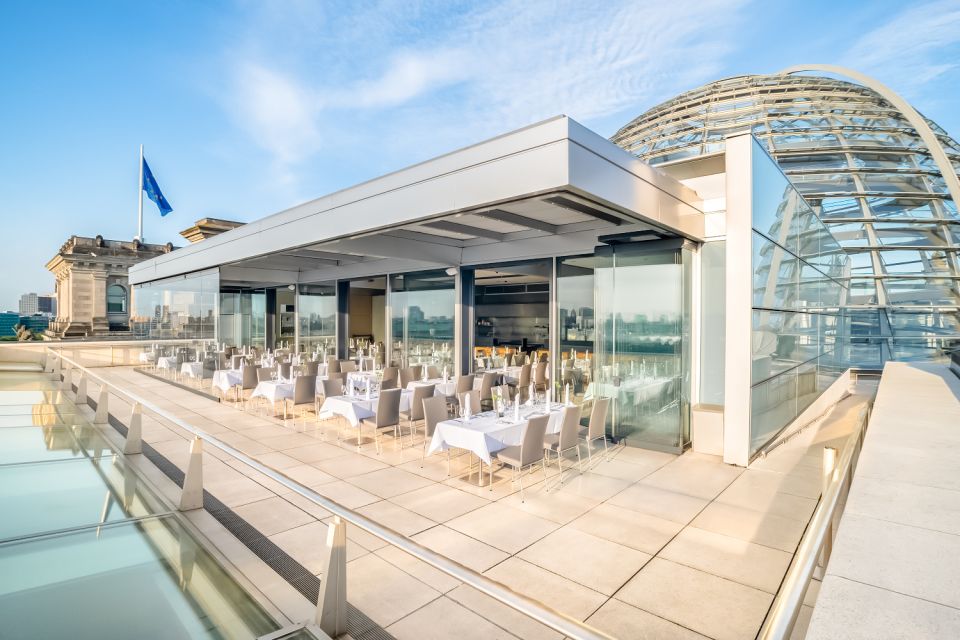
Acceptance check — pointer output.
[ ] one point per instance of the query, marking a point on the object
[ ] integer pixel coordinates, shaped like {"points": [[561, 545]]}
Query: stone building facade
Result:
{"points": [[93, 295]]}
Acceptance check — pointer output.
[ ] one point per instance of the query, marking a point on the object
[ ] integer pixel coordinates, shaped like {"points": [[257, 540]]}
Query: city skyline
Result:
{"points": [[244, 112]]}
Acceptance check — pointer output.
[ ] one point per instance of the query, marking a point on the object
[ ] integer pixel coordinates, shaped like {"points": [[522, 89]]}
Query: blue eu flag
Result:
{"points": [[153, 190]]}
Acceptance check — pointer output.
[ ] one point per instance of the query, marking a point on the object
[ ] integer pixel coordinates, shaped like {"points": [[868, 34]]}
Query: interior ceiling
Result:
{"points": [[539, 216]]}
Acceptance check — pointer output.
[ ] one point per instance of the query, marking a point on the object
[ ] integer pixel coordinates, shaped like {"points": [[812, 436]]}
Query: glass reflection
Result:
{"points": [[422, 319], [317, 310], [177, 308]]}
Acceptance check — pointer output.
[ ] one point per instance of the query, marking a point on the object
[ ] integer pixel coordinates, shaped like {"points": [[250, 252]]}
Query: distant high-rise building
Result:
{"points": [[47, 304], [28, 304]]}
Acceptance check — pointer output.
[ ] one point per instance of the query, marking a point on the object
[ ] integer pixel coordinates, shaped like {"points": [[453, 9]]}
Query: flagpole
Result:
{"points": [[140, 199]]}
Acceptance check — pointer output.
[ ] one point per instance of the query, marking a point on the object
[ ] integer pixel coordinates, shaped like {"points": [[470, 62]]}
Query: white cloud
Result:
{"points": [[911, 49], [432, 76]]}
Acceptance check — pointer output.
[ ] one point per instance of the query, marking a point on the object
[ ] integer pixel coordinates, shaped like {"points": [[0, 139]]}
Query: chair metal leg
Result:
{"points": [[521, 486], [560, 465], [579, 459]]}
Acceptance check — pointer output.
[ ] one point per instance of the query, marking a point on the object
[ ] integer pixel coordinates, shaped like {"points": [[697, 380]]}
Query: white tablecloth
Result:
{"points": [[148, 357], [167, 362], [440, 388], [226, 379], [192, 369], [273, 390], [356, 409], [485, 434]]}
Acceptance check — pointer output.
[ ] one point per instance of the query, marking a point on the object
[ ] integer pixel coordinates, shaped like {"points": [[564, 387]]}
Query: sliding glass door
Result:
{"points": [[642, 341]]}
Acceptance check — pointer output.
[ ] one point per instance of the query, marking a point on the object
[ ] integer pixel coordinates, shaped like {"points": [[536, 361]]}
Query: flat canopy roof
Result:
{"points": [[548, 189]]}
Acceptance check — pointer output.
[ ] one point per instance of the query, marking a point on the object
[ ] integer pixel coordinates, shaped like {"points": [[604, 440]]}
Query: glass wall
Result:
{"points": [[243, 317], [422, 318], [642, 342], [799, 273], [575, 311], [317, 310], [184, 307], [713, 316]]}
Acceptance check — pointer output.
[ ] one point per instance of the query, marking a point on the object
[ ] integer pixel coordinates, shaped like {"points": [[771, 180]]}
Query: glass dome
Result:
{"points": [[869, 176]]}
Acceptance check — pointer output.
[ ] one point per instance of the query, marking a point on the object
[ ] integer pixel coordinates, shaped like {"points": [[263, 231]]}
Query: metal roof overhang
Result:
{"points": [[552, 188]]}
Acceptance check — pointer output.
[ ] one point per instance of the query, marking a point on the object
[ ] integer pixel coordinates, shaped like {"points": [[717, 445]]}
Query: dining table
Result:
{"points": [[357, 407], [486, 433], [167, 362]]}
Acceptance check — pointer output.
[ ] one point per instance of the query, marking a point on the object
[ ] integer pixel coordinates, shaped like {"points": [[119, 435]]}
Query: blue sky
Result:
{"points": [[246, 108]]}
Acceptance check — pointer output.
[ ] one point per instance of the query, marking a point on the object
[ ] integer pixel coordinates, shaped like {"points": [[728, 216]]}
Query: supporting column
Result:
{"points": [[464, 322], [739, 300], [332, 602], [134, 442], [102, 416], [553, 338], [343, 319], [191, 497], [67, 377]]}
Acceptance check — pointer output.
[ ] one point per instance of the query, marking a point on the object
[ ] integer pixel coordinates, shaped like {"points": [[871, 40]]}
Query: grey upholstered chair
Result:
{"points": [[265, 374], [248, 378], [486, 387], [433, 371], [540, 376], [464, 383], [391, 373], [283, 370], [388, 383], [434, 412], [311, 367], [387, 417], [348, 366], [568, 438], [304, 395], [528, 453], [333, 365], [415, 413], [332, 387], [235, 361], [416, 371], [523, 383], [596, 429], [406, 377]]}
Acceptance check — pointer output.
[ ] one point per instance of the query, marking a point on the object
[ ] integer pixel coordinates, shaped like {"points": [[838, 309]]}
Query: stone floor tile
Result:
{"points": [[389, 482], [696, 600], [461, 548], [566, 596], [749, 564], [349, 466], [660, 503], [383, 592], [273, 515], [764, 497], [396, 517], [622, 620], [346, 494], [865, 612], [767, 529], [419, 569], [628, 527], [308, 475], [503, 527], [442, 619], [596, 563], [439, 502], [915, 562], [501, 615], [693, 475]]}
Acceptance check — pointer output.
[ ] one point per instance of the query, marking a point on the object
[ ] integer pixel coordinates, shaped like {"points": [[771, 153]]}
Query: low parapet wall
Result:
{"points": [[895, 567]]}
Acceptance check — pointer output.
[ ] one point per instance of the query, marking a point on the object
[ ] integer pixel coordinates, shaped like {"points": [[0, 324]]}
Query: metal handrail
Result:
{"points": [[560, 622], [782, 616]]}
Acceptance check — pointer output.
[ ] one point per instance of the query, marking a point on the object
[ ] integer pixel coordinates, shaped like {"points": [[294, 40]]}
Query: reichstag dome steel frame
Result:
{"points": [[882, 177]]}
